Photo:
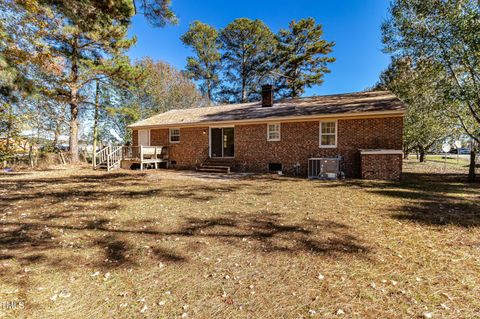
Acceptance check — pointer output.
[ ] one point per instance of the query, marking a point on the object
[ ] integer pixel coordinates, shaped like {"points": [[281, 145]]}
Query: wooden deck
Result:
{"points": [[128, 162], [145, 156], [126, 156]]}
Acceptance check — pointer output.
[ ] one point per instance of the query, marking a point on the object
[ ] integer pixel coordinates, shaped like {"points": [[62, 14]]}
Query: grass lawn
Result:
{"points": [[462, 161], [166, 244]]}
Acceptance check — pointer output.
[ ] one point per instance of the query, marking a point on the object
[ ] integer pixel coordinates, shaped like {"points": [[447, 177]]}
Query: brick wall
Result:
{"points": [[381, 166], [299, 141], [134, 137], [192, 149]]}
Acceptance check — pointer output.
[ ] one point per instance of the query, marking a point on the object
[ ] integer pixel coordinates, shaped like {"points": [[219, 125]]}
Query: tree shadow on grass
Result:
{"points": [[437, 199], [96, 190], [115, 250], [36, 212], [83, 207], [269, 234], [168, 255], [429, 199], [260, 233]]}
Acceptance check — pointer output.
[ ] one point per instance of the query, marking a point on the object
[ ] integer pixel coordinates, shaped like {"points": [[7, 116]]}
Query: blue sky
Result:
{"points": [[353, 24]]}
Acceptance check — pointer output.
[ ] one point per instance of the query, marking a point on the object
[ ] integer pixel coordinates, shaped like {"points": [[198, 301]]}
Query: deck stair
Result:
{"points": [[216, 165], [108, 158]]}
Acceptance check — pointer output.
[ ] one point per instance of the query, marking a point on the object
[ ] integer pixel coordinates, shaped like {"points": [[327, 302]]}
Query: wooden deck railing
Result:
{"points": [[131, 152], [100, 157], [111, 156], [114, 158]]}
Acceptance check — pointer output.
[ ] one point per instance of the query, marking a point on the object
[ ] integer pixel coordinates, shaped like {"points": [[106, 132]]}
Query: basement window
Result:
{"points": [[328, 134], [174, 134], [274, 167], [273, 132]]}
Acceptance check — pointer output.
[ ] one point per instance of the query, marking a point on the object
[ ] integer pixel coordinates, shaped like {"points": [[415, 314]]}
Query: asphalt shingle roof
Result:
{"points": [[351, 103]]}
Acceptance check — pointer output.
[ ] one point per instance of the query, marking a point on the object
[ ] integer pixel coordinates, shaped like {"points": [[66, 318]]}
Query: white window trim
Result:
{"points": [[170, 135], [320, 134], [279, 132]]}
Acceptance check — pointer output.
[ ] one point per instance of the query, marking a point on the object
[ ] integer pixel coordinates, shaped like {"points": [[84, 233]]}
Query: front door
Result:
{"points": [[222, 142], [144, 137]]}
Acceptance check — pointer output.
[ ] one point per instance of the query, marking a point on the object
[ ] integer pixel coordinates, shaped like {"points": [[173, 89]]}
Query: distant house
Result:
{"points": [[364, 129]]}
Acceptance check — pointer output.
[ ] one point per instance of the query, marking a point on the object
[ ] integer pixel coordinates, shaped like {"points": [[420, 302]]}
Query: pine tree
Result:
{"points": [[72, 53], [248, 46], [14, 85], [205, 65], [302, 57], [157, 12]]}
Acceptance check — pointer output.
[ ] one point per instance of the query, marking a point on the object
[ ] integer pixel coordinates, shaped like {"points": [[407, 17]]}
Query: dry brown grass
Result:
{"points": [[84, 244]]}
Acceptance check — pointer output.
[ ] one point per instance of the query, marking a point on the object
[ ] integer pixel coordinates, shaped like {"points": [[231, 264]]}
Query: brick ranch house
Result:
{"points": [[365, 129]]}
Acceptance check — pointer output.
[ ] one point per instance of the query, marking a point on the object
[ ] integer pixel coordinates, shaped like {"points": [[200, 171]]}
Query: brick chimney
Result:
{"points": [[267, 95]]}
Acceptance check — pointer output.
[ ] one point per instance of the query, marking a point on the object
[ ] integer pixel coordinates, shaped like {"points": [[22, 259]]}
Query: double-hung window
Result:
{"points": [[273, 132], [174, 135], [328, 134]]}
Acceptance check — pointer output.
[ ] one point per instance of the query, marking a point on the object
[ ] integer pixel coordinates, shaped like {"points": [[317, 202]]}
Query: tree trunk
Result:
{"points": [[471, 170], [244, 91], [56, 134], [405, 151], [73, 143], [295, 92], [9, 128], [95, 123], [209, 92], [30, 156], [62, 158], [421, 151], [244, 82], [73, 140]]}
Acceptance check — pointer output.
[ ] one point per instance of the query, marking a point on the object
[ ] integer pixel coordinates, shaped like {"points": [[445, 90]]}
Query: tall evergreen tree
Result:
{"points": [[302, 57], [157, 12], [73, 52], [205, 65], [248, 46], [14, 84]]}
